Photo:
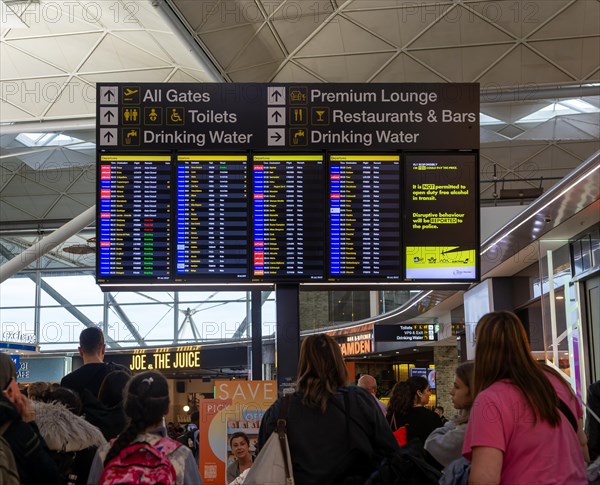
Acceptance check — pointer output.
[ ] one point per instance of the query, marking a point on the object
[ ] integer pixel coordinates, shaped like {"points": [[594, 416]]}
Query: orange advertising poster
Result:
{"points": [[249, 401], [213, 429], [238, 407]]}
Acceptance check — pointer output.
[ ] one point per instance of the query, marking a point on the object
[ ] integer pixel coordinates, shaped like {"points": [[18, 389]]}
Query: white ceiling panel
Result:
{"points": [[114, 53], [153, 75], [223, 13], [254, 73], [561, 53], [522, 65], [77, 99], [219, 42], [294, 73], [343, 37], [58, 51], [401, 27], [338, 68], [461, 64], [147, 42], [579, 18], [12, 209], [49, 18], [405, 69], [18, 64], [467, 29], [262, 48], [66, 207], [188, 76]]}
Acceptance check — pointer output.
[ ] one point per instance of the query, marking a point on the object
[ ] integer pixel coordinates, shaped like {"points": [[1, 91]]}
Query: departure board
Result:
{"points": [[212, 217], [364, 217], [288, 217], [441, 225], [134, 214]]}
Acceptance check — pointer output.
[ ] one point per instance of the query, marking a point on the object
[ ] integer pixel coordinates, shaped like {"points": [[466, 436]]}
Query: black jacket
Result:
{"points": [[90, 376], [34, 462], [592, 427], [327, 447], [420, 423]]}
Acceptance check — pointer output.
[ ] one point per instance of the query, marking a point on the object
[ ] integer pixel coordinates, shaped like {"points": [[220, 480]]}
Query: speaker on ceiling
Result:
{"points": [[180, 387]]}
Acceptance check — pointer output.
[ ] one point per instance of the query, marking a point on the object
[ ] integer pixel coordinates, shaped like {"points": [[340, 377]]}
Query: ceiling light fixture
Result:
{"points": [[89, 248]]}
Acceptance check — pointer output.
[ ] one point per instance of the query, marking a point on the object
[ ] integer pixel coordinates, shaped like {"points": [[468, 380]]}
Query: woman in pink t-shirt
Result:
{"points": [[516, 432]]}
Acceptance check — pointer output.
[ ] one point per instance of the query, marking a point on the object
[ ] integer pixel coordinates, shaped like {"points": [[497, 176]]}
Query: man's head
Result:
{"points": [[91, 344], [8, 377], [368, 383], [439, 411]]}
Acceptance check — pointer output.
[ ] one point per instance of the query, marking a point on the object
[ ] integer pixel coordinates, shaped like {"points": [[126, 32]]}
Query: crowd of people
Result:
{"points": [[517, 421]]}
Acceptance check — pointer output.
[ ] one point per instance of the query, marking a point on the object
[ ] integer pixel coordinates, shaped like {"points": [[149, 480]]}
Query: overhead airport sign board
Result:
{"points": [[412, 116], [312, 183], [405, 333]]}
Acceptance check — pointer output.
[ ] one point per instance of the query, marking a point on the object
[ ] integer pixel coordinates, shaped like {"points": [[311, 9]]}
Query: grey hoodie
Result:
{"points": [[445, 444]]}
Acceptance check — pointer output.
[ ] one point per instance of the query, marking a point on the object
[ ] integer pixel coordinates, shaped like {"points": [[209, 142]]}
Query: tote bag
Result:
{"points": [[273, 465]]}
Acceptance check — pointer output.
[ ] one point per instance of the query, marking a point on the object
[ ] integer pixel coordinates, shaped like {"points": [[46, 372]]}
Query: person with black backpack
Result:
{"points": [[143, 453]]}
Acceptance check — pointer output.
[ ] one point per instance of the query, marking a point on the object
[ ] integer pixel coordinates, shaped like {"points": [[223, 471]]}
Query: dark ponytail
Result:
{"points": [[146, 402]]}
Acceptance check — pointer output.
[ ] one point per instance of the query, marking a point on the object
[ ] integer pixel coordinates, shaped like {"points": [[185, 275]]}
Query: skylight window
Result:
{"points": [[566, 107], [53, 140], [489, 120]]}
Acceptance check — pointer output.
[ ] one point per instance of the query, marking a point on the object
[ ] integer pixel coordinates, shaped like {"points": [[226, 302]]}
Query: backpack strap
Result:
{"points": [[393, 424], [166, 445], [281, 430], [5, 426], [568, 414]]}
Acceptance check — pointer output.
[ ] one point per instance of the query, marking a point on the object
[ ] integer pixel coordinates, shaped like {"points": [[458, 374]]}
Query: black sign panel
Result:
{"points": [[405, 333], [206, 116], [441, 223], [186, 358]]}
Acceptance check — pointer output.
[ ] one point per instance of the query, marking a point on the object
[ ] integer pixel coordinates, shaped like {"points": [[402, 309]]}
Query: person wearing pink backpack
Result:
{"points": [[143, 453]]}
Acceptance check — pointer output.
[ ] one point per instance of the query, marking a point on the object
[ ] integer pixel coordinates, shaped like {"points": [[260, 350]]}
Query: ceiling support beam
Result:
{"points": [[47, 244], [244, 325], [125, 319], [66, 304]]}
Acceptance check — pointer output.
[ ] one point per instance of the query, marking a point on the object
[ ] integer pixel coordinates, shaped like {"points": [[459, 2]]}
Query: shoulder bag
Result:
{"points": [[399, 432], [273, 465]]}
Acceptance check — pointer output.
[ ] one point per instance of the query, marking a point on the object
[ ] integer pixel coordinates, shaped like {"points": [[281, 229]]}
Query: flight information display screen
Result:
{"points": [[134, 217], [288, 220], [212, 217], [364, 217], [441, 223], [244, 218]]}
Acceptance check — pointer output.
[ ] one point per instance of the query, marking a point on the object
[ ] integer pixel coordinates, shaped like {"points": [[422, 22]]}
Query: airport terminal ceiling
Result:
{"points": [[538, 64]]}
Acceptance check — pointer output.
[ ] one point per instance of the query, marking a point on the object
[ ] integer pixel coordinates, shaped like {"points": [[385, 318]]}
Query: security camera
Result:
{"points": [[547, 219]]}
